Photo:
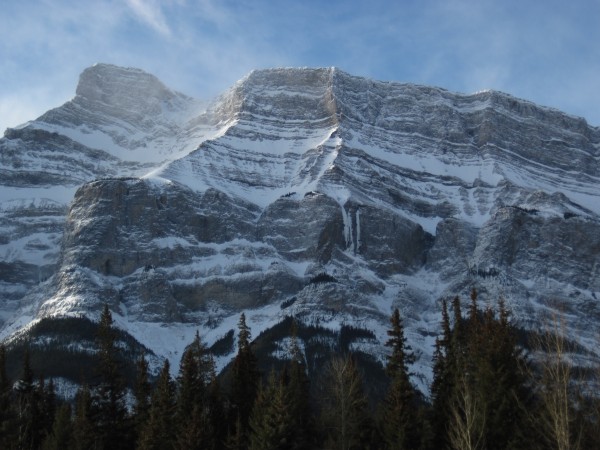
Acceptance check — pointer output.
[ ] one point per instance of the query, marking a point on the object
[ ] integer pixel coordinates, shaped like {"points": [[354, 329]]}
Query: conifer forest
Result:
{"points": [[494, 387]]}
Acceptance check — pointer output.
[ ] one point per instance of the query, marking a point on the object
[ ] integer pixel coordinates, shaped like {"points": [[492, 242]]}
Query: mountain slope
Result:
{"points": [[305, 192]]}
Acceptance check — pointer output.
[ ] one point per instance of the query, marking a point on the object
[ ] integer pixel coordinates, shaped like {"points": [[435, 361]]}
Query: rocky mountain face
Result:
{"points": [[304, 192]]}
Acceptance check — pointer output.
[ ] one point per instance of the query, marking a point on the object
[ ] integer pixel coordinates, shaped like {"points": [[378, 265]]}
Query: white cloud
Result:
{"points": [[16, 110], [202, 46], [150, 12], [28, 104]]}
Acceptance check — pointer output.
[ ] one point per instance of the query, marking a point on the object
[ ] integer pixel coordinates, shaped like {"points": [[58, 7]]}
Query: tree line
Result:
{"points": [[486, 394]]}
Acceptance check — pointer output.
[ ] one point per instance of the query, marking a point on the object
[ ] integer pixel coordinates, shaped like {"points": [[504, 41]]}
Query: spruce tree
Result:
{"points": [[196, 408], [109, 396], [497, 364], [28, 407], [236, 438], [474, 308], [142, 391], [4, 381], [245, 377], [458, 319], [197, 432], [298, 387], [479, 388], [61, 434], [159, 432], [196, 372], [216, 412], [83, 424], [7, 416], [401, 429], [47, 395], [190, 386], [272, 422], [441, 387]]}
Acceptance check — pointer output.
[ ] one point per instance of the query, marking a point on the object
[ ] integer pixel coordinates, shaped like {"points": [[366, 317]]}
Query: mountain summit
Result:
{"points": [[298, 192]]}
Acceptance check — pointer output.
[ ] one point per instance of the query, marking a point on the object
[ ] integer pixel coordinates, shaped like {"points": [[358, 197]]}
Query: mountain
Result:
{"points": [[299, 192]]}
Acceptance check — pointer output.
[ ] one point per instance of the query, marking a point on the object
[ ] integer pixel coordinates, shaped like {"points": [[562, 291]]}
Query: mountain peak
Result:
{"points": [[122, 87], [288, 78]]}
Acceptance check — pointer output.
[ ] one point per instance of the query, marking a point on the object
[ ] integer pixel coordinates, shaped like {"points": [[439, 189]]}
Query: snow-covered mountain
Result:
{"points": [[305, 192]]}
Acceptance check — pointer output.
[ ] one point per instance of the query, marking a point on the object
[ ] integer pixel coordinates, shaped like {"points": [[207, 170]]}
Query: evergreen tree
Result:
{"points": [[272, 422], [218, 413], [474, 309], [83, 425], [109, 396], [28, 407], [47, 396], [196, 372], [7, 416], [479, 388], [441, 387], [401, 353], [196, 405], [190, 386], [61, 434], [142, 391], [458, 319], [245, 377], [197, 432], [401, 429], [497, 363], [237, 439], [159, 432], [298, 387], [4, 381]]}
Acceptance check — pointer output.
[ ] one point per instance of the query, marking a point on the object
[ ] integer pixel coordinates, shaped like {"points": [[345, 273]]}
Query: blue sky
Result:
{"points": [[546, 51]]}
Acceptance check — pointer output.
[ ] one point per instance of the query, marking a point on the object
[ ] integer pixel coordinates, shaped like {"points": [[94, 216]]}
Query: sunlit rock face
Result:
{"points": [[305, 192]]}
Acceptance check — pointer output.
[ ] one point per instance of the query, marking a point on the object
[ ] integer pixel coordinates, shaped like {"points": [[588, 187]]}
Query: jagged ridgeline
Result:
{"points": [[307, 193]]}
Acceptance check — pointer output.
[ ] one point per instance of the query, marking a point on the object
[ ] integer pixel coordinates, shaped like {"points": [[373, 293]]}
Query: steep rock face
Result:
{"points": [[454, 245], [533, 247], [307, 192], [132, 218], [389, 241], [307, 229], [174, 251]]}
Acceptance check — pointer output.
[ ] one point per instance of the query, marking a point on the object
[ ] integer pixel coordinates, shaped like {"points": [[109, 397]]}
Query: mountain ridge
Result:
{"points": [[401, 194]]}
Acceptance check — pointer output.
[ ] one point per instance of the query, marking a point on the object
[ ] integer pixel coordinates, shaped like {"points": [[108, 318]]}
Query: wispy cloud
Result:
{"points": [[545, 54], [150, 13]]}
